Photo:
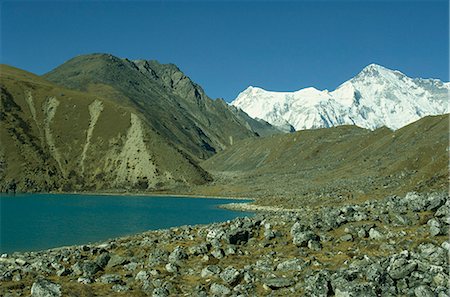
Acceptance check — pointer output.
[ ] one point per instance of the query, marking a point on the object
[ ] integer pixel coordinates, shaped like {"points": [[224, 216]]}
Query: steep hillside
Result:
{"points": [[344, 162], [173, 105], [53, 138], [376, 97]]}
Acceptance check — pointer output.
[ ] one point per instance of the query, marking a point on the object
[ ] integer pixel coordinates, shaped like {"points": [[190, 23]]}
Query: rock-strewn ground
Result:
{"points": [[396, 246]]}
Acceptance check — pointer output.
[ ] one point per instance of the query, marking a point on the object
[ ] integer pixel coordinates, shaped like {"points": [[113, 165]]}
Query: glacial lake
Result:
{"points": [[32, 222]]}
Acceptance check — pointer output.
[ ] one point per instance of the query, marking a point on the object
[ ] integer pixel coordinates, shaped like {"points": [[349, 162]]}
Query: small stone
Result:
{"points": [[177, 255], [375, 234], [21, 262], [362, 233], [219, 290], [435, 227], [278, 282], [171, 268], [90, 268], [217, 253], [63, 272], [84, 280], [423, 291], [103, 260], [346, 237], [210, 270], [401, 268], [314, 245], [45, 288], [142, 276], [230, 275], [120, 288], [160, 292], [110, 279], [116, 260], [291, 265]]}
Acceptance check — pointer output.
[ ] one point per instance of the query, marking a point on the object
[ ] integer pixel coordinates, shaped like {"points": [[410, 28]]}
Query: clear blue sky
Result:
{"points": [[227, 46]]}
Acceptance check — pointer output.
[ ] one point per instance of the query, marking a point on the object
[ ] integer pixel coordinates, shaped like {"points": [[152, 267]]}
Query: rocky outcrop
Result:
{"points": [[272, 256]]}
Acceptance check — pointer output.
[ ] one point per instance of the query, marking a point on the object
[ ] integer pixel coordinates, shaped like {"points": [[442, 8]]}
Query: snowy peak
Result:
{"points": [[375, 97]]}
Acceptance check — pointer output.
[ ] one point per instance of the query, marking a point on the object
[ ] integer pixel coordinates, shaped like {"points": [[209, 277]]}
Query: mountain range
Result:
{"points": [[100, 123], [376, 97]]}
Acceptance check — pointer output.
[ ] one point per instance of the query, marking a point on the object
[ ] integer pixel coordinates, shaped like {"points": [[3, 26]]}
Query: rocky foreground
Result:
{"points": [[397, 246]]}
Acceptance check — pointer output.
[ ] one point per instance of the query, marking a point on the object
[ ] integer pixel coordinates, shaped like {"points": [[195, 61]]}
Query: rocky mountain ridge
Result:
{"points": [[376, 97], [115, 125]]}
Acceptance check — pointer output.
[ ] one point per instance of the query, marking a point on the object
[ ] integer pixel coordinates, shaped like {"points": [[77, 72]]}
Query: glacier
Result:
{"points": [[376, 97]]}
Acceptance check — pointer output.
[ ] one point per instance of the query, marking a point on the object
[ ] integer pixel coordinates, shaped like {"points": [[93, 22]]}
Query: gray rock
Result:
{"points": [[131, 266], [268, 232], [230, 250], [199, 250], [45, 288], [375, 234], [178, 254], [401, 268], [346, 237], [171, 268], [63, 272], [318, 284], [291, 265], [301, 236], [142, 276], [433, 254], [362, 233], [423, 291], [219, 290], [278, 282], [435, 227], [103, 260], [110, 279], [238, 236], [436, 200], [314, 245], [231, 276], [215, 234], [90, 268], [120, 288], [84, 280], [160, 292], [116, 260], [210, 270], [217, 253]]}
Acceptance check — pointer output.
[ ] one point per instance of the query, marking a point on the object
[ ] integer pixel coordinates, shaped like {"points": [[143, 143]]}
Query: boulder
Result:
{"points": [[219, 290], [401, 268], [238, 236], [45, 288], [231, 276]]}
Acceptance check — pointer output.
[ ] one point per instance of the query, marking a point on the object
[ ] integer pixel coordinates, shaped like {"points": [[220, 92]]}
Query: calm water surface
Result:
{"points": [[31, 222]]}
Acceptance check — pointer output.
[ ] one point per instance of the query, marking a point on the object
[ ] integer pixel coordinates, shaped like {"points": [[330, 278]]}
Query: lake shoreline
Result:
{"points": [[281, 253], [149, 195]]}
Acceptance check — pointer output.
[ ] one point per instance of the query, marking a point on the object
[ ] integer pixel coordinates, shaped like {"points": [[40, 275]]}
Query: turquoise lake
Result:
{"points": [[32, 222]]}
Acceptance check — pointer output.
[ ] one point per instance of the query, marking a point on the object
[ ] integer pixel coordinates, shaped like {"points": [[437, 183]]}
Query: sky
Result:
{"points": [[226, 46]]}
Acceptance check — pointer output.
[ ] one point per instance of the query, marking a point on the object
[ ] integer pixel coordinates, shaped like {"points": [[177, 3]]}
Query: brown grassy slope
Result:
{"points": [[44, 135], [333, 164]]}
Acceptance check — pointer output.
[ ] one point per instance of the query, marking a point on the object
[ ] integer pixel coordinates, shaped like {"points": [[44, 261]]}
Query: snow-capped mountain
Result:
{"points": [[376, 97]]}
